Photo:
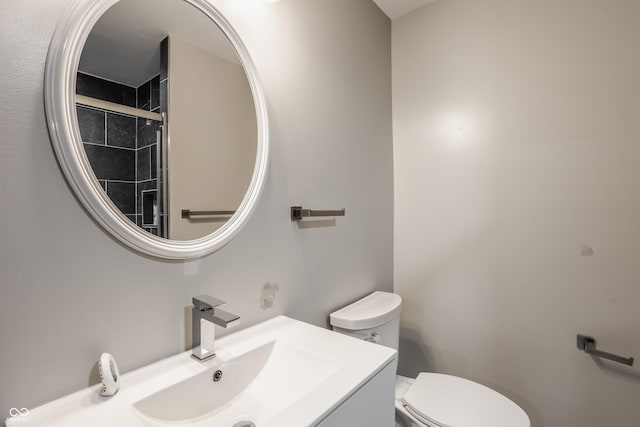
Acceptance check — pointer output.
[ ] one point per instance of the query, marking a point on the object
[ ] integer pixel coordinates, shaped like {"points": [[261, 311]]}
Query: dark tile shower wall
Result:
{"points": [[124, 150], [98, 88], [109, 140]]}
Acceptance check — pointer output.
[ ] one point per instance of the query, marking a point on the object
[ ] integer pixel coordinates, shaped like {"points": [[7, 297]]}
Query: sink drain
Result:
{"points": [[244, 424]]}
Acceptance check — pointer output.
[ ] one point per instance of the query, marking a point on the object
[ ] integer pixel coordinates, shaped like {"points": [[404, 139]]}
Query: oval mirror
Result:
{"points": [[158, 122]]}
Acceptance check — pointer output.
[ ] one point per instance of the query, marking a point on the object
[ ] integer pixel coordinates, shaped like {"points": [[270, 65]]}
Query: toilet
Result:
{"points": [[431, 399]]}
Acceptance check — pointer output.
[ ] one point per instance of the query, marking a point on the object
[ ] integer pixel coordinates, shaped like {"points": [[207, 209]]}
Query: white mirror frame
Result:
{"points": [[59, 93]]}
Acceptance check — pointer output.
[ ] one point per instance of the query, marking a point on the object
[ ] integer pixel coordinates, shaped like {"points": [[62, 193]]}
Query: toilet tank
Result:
{"points": [[374, 318]]}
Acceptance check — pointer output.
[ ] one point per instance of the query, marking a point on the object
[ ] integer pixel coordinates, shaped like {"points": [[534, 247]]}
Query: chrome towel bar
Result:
{"points": [[186, 213], [588, 345], [297, 213]]}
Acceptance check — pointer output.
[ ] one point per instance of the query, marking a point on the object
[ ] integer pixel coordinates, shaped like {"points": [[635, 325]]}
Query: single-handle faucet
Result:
{"points": [[205, 316]]}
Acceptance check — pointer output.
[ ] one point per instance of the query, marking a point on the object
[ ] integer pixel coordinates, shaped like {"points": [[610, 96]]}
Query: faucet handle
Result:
{"points": [[206, 302], [224, 318]]}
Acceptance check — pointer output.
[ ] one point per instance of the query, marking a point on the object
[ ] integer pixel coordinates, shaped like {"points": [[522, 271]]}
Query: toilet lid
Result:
{"points": [[448, 401]]}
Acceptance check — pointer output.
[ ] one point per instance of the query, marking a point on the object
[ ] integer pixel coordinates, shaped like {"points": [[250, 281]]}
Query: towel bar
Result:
{"points": [[297, 213], [588, 345], [186, 213]]}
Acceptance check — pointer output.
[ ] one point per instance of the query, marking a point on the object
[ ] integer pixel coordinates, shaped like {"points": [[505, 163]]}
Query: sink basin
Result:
{"points": [[253, 386], [279, 373]]}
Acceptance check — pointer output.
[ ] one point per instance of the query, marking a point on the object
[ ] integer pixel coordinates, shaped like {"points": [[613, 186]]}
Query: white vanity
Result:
{"points": [[279, 373]]}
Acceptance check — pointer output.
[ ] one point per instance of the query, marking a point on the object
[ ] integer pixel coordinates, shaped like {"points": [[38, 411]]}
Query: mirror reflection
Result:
{"points": [[166, 116]]}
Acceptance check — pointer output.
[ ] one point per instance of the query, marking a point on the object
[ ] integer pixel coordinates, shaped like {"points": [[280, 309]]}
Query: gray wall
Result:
{"points": [[325, 66], [516, 141]]}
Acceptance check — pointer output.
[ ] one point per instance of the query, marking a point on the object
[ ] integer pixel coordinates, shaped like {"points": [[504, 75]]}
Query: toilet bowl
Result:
{"points": [[431, 399]]}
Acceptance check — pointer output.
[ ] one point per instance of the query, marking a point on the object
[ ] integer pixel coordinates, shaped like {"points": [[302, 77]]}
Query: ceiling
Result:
{"points": [[124, 45], [396, 8]]}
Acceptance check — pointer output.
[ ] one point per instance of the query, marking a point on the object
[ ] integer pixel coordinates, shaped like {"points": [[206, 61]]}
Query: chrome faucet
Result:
{"points": [[205, 316]]}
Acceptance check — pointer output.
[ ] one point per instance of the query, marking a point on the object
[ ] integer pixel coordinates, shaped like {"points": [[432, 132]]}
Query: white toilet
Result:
{"points": [[432, 400]]}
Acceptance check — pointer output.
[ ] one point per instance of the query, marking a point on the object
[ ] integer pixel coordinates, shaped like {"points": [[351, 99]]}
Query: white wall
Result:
{"points": [[212, 137], [516, 152], [69, 292]]}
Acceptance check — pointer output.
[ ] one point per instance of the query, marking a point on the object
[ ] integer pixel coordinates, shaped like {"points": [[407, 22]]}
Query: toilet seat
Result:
{"points": [[447, 401]]}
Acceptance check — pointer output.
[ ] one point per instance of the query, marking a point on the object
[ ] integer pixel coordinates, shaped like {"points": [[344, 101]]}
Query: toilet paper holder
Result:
{"points": [[588, 345]]}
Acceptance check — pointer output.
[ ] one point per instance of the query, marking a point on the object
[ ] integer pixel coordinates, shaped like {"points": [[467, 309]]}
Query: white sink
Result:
{"points": [[253, 387], [281, 373]]}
